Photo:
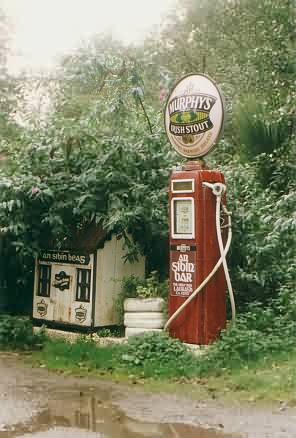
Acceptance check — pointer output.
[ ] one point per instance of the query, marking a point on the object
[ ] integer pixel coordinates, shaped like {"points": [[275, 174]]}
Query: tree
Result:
{"points": [[9, 129], [107, 163], [102, 156], [247, 46]]}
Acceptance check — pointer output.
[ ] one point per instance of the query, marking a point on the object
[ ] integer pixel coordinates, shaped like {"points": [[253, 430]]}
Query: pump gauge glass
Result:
{"points": [[183, 216]]}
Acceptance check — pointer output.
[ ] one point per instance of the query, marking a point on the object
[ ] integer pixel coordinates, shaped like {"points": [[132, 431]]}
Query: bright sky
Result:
{"points": [[45, 29]]}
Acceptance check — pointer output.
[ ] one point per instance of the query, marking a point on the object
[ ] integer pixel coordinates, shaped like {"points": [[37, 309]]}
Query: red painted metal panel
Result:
{"points": [[203, 319]]}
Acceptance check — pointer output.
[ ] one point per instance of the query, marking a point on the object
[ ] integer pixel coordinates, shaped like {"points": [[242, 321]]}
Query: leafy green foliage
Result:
{"points": [[58, 183], [112, 332], [151, 355], [263, 231], [260, 335], [246, 45], [83, 354], [259, 131], [102, 157], [154, 346], [152, 287], [239, 367], [10, 131], [17, 334], [158, 355]]}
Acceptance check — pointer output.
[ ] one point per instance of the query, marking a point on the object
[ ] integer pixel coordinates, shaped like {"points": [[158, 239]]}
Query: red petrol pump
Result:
{"points": [[198, 215]]}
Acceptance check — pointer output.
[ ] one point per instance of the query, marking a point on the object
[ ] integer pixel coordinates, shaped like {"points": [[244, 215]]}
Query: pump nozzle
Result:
{"points": [[217, 188]]}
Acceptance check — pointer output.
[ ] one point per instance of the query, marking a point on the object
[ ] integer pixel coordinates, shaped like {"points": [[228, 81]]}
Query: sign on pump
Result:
{"points": [[194, 115]]}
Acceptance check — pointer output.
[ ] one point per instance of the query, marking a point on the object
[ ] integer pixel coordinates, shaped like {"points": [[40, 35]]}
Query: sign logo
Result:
{"points": [[182, 273], [64, 257], [183, 247], [194, 115], [61, 281], [42, 308], [80, 313], [190, 114]]}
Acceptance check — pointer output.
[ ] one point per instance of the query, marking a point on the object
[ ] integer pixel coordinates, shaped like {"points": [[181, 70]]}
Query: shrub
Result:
{"points": [[260, 130], [263, 231], [109, 332], [157, 354], [152, 287], [17, 333], [257, 336]]}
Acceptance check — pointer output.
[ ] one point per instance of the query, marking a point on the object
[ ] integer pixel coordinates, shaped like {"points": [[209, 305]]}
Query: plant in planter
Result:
{"points": [[144, 304]]}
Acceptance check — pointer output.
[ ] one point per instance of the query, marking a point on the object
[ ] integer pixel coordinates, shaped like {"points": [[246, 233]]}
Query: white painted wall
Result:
{"points": [[110, 270]]}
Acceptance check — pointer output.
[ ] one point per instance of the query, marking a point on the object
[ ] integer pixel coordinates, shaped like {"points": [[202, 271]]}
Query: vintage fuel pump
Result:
{"points": [[200, 224]]}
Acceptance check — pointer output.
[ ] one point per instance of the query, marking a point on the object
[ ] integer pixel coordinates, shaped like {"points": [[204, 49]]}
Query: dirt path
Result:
{"points": [[36, 403]]}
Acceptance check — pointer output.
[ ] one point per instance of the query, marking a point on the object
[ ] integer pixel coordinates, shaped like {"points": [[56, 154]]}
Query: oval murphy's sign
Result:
{"points": [[194, 115]]}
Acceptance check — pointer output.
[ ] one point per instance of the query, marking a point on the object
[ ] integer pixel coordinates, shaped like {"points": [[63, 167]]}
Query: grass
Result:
{"points": [[250, 362], [260, 383], [82, 355], [273, 382], [271, 379]]}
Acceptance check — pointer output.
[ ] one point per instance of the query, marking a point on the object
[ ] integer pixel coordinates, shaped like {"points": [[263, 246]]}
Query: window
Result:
{"points": [[183, 186], [182, 218], [44, 275], [83, 285]]}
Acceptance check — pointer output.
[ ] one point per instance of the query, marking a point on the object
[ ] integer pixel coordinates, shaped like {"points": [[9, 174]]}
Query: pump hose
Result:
{"points": [[223, 253], [218, 189]]}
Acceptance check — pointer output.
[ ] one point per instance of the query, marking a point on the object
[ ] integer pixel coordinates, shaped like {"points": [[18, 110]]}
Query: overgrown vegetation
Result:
{"points": [[101, 156], [149, 287], [94, 159], [240, 365], [150, 355], [17, 334], [255, 340], [111, 332], [157, 355]]}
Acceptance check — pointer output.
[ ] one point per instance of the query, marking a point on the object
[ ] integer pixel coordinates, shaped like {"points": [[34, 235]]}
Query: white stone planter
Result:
{"points": [[143, 315], [143, 304], [144, 319], [129, 331]]}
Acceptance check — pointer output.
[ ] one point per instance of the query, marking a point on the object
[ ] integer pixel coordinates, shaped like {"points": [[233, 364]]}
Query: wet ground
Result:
{"points": [[36, 403]]}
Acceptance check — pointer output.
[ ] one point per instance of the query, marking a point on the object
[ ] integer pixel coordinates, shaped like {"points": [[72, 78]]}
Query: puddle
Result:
{"points": [[83, 414], [39, 404]]}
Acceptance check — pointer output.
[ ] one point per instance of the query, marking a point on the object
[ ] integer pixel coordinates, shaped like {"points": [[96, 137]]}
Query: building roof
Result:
{"points": [[88, 239]]}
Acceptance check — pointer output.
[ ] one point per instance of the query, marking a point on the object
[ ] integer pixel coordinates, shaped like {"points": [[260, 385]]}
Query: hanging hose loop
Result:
{"points": [[218, 190]]}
